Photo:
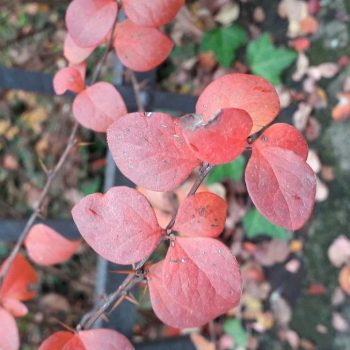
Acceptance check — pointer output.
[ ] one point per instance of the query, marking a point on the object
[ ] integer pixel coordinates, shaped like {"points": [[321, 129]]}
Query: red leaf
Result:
{"points": [[284, 136], [202, 214], [153, 13], [14, 306], [94, 339], [19, 281], [202, 275], [57, 341], [141, 48], [9, 337], [98, 106], [168, 309], [105, 339], [68, 78], [281, 185], [46, 247], [253, 94], [220, 139], [89, 21], [119, 225], [74, 53], [149, 149]]}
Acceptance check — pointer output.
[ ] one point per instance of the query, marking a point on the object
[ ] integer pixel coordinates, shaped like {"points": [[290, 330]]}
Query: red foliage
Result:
{"points": [[253, 94], [141, 48], [89, 21], [45, 246], [220, 139], [150, 150], [74, 53], [119, 225], [153, 13], [201, 215], [98, 106], [68, 78], [87, 340], [9, 337]]}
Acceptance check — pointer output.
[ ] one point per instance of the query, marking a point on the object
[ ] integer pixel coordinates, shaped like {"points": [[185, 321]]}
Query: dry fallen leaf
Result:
{"points": [[339, 251], [342, 110], [344, 279]]}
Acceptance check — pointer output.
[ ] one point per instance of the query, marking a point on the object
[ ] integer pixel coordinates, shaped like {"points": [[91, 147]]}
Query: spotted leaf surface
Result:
{"points": [[281, 185], [202, 214], [150, 150], [202, 275], [120, 225]]}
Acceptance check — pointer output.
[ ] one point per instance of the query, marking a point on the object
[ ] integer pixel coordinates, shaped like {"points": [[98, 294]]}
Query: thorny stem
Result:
{"points": [[52, 174], [89, 319]]}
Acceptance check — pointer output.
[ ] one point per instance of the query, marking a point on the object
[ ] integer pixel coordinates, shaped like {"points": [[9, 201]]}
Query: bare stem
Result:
{"points": [[52, 174], [137, 92], [122, 291]]}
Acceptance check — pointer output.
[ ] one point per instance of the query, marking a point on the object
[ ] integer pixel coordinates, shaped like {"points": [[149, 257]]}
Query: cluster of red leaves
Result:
{"points": [[45, 247], [137, 41], [159, 152]]}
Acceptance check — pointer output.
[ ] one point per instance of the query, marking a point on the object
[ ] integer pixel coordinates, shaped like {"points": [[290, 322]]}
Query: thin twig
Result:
{"points": [[52, 174], [137, 92], [50, 178], [123, 290]]}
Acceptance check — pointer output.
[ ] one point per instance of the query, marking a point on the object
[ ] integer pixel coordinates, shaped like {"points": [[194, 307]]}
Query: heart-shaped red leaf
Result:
{"points": [[283, 136], [220, 139], [74, 53], [141, 48], [153, 13], [68, 78], [56, 341], [281, 185], [203, 214], [89, 21], [150, 150], [20, 280], [98, 106], [9, 337], [202, 274], [168, 309], [119, 225], [46, 247], [251, 93]]}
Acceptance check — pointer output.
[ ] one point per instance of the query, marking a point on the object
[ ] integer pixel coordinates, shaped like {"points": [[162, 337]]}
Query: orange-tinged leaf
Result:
{"points": [[342, 110], [203, 215], [202, 274], [219, 140], [98, 106], [251, 93], [57, 341], [89, 21], [150, 150], [168, 309], [344, 279], [14, 306], [74, 53], [20, 280], [105, 339], [9, 337], [281, 185], [153, 13], [141, 48], [68, 78], [46, 247], [120, 225], [284, 136]]}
